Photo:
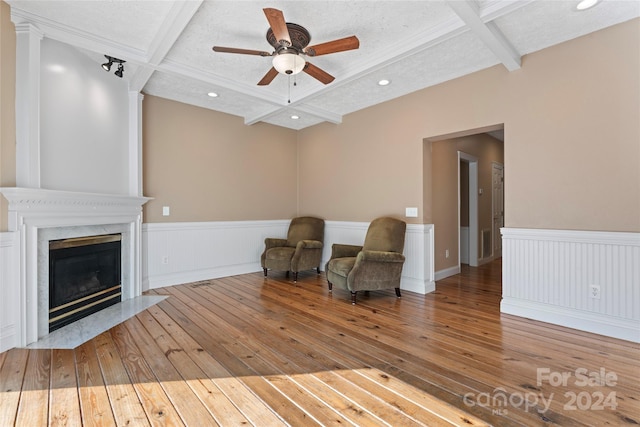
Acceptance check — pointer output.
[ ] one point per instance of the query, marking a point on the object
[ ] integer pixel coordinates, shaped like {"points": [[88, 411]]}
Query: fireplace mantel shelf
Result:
{"points": [[51, 200]]}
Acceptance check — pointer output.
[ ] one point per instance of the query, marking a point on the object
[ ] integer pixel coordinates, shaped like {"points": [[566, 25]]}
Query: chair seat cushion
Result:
{"points": [[341, 266], [281, 253]]}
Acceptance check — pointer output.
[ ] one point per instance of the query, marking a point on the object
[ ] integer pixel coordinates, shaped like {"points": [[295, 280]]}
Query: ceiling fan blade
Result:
{"points": [[340, 45], [318, 74], [242, 51], [278, 25], [268, 78]]}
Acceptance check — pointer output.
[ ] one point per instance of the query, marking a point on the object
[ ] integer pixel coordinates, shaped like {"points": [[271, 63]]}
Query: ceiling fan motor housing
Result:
{"points": [[299, 36]]}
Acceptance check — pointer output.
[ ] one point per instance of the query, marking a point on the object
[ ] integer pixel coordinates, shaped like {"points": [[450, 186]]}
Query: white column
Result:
{"points": [[28, 39], [135, 143]]}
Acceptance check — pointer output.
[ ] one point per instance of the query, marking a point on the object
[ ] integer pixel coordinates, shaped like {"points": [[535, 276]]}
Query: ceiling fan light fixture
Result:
{"points": [[288, 63]]}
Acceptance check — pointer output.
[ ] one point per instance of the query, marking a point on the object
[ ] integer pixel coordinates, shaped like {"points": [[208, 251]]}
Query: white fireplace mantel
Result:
{"points": [[37, 214]]}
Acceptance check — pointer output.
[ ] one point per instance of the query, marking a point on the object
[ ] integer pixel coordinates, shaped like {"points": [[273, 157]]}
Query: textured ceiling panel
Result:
{"points": [[193, 92], [131, 23], [448, 60], [541, 24]]}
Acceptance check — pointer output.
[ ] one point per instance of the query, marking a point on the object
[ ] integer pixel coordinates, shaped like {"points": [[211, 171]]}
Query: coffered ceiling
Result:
{"points": [[414, 44]]}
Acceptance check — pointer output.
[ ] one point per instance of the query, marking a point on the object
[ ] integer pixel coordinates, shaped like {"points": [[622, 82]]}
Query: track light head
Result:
{"points": [[107, 65], [120, 70]]}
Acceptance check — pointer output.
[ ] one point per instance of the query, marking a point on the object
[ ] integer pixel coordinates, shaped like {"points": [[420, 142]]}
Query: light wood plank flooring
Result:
{"points": [[245, 350]]}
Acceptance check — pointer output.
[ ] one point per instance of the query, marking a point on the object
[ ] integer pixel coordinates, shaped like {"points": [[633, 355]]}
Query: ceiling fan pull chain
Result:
{"points": [[289, 88]]}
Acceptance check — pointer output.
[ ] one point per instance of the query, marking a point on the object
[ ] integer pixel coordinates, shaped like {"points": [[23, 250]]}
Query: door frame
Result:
{"points": [[473, 207], [496, 233]]}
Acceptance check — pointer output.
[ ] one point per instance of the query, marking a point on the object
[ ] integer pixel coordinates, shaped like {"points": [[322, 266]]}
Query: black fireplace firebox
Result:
{"points": [[84, 277]]}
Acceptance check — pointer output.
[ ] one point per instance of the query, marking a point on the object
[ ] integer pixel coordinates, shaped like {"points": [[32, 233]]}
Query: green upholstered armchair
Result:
{"points": [[375, 265], [301, 250]]}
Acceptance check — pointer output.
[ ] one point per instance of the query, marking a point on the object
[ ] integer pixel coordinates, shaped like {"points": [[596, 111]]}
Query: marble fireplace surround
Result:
{"points": [[40, 215]]}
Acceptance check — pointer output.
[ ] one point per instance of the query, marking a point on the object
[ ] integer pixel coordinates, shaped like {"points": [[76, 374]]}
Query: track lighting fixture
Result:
{"points": [[107, 65]]}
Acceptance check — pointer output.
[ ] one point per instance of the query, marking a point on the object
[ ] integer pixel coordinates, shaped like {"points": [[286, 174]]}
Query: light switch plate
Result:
{"points": [[166, 211], [411, 212]]}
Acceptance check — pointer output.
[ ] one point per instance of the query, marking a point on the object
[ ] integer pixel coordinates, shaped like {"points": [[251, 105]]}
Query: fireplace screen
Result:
{"points": [[84, 277]]}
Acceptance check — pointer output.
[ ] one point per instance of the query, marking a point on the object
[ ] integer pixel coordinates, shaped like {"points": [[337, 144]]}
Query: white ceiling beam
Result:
{"points": [[488, 33], [320, 113], [174, 24]]}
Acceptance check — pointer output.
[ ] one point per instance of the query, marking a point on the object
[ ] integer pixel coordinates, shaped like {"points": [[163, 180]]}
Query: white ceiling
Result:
{"points": [[415, 44]]}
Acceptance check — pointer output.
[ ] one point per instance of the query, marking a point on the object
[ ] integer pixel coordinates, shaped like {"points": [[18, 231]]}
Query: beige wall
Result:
{"points": [[444, 182], [572, 133], [209, 166], [7, 107]]}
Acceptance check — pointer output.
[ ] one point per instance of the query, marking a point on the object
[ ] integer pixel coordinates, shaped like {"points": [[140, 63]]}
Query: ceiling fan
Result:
{"points": [[290, 42]]}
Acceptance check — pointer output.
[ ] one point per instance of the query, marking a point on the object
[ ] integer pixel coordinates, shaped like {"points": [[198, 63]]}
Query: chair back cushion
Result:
{"points": [[385, 234], [305, 228]]}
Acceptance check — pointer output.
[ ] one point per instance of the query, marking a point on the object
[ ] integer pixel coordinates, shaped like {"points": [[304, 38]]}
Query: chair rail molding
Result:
{"points": [[548, 274]]}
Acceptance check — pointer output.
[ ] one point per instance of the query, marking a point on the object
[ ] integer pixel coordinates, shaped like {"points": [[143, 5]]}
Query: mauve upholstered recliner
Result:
{"points": [[300, 251], [375, 265]]}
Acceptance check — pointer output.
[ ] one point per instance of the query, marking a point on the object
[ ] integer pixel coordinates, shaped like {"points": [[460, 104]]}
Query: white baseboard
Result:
{"points": [[451, 271], [625, 329]]}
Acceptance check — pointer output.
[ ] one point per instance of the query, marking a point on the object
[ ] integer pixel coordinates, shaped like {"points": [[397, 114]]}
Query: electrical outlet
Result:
{"points": [[594, 291], [165, 260], [446, 253]]}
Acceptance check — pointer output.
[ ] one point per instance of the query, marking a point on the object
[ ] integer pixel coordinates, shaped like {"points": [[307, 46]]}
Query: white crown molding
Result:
{"points": [[77, 38]]}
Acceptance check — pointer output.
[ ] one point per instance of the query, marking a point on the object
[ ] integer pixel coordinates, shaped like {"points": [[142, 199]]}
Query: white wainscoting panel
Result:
{"points": [[9, 290], [175, 253], [547, 276]]}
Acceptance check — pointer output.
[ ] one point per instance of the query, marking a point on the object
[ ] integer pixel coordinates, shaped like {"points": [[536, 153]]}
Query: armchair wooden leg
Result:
{"points": [[287, 274], [318, 270], [353, 297], [330, 286], [398, 292], [265, 272], [295, 276]]}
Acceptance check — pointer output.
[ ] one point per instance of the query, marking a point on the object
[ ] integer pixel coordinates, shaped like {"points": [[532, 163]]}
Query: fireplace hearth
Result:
{"points": [[84, 277]]}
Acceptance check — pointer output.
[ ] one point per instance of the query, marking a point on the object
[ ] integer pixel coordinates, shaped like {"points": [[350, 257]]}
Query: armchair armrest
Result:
{"points": [[380, 256], [272, 242], [309, 244], [341, 251]]}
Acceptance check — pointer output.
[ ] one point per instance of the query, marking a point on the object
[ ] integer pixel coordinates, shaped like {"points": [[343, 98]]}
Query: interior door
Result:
{"points": [[497, 207]]}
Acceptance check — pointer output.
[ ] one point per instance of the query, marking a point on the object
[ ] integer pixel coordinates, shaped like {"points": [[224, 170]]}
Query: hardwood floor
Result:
{"points": [[245, 350]]}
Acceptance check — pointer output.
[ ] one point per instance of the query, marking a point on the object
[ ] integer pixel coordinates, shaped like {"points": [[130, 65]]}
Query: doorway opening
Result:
{"points": [[467, 209], [467, 171]]}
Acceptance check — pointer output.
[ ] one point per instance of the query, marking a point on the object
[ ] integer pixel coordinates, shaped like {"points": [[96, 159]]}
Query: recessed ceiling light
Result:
{"points": [[384, 82], [586, 4], [213, 94], [294, 117], [56, 68]]}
